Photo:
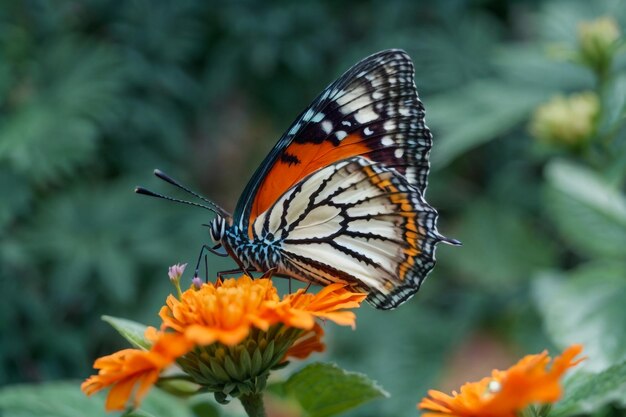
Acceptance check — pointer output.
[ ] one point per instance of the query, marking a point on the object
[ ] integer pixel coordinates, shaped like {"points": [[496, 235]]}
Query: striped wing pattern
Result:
{"points": [[372, 111], [355, 221], [340, 198]]}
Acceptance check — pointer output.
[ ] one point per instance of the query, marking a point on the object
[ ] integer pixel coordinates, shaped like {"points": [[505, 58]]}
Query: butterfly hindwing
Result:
{"points": [[358, 222], [372, 111]]}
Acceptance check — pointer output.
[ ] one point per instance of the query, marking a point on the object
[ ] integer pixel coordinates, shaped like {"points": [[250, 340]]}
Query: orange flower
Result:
{"points": [[225, 312], [309, 342], [132, 372], [226, 336], [300, 309], [505, 392]]}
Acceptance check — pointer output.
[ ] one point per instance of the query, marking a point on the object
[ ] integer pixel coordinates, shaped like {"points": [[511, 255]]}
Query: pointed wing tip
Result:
{"points": [[450, 241]]}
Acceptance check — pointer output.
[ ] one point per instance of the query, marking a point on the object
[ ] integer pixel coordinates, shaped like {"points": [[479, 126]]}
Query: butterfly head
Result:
{"points": [[217, 228]]}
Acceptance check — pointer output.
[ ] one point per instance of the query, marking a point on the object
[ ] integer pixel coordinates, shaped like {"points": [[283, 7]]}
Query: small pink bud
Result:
{"points": [[176, 271], [197, 282]]}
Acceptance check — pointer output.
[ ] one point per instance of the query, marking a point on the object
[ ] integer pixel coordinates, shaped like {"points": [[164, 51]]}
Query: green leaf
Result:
{"points": [[589, 213], [586, 306], [65, 399], [75, 87], [587, 392], [16, 195], [130, 330], [613, 99], [161, 404], [326, 390], [58, 399], [476, 115], [204, 406], [137, 413]]}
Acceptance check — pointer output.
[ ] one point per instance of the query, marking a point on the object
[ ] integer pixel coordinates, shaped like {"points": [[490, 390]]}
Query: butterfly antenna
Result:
{"points": [[217, 209], [144, 191]]}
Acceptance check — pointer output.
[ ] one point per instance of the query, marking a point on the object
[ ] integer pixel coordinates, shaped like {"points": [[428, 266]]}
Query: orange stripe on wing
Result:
{"points": [[406, 211], [304, 159]]}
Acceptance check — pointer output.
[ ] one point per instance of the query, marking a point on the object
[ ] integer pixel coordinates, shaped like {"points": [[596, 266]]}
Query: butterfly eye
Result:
{"points": [[217, 229]]}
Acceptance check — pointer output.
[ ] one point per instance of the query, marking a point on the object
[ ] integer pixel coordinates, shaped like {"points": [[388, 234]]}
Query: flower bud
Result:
{"points": [[597, 40], [176, 271], [196, 282], [566, 121]]}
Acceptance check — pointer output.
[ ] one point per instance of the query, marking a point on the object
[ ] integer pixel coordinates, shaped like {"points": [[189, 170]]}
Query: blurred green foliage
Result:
{"points": [[97, 93]]}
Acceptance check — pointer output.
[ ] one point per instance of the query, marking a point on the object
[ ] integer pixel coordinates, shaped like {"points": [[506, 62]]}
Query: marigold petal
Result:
{"points": [[342, 318], [119, 394], [566, 360], [527, 382], [200, 335], [309, 342], [135, 368], [233, 336], [431, 415], [145, 384], [432, 405]]}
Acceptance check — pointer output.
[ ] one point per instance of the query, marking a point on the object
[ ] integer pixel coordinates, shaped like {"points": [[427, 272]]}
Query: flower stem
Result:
{"points": [[253, 404]]}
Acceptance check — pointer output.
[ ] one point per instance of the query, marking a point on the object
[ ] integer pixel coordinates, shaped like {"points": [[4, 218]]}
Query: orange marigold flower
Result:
{"points": [[132, 372], [505, 392], [300, 309], [226, 336], [225, 312], [309, 342]]}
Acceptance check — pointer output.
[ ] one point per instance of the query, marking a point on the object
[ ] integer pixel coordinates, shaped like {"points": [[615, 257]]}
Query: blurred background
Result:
{"points": [[525, 99]]}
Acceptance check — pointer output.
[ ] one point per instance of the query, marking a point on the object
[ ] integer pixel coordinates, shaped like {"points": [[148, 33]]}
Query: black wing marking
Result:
{"points": [[377, 100]]}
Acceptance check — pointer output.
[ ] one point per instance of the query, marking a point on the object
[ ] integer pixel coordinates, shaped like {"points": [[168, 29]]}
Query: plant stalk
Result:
{"points": [[253, 404]]}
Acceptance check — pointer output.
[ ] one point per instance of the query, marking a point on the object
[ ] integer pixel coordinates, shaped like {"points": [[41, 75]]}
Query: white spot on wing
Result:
{"points": [[356, 104], [399, 152], [365, 115], [367, 131], [319, 116], [294, 129], [340, 134], [307, 116], [386, 141], [405, 111], [327, 126], [389, 125], [346, 97]]}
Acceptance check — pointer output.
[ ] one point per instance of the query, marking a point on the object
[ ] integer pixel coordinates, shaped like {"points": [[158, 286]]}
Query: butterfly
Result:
{"points": [[340, 197]]}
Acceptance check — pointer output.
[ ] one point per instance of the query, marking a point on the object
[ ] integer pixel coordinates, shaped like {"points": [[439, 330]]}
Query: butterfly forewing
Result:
{"points": [[371, 111]]}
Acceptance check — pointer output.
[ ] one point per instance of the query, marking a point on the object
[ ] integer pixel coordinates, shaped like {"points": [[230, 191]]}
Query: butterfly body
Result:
{"points": [[340, 198]]}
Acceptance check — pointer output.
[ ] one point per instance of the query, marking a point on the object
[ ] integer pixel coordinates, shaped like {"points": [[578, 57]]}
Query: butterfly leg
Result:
{"points": [[268, 274], [213, 250], [220, 275]]}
